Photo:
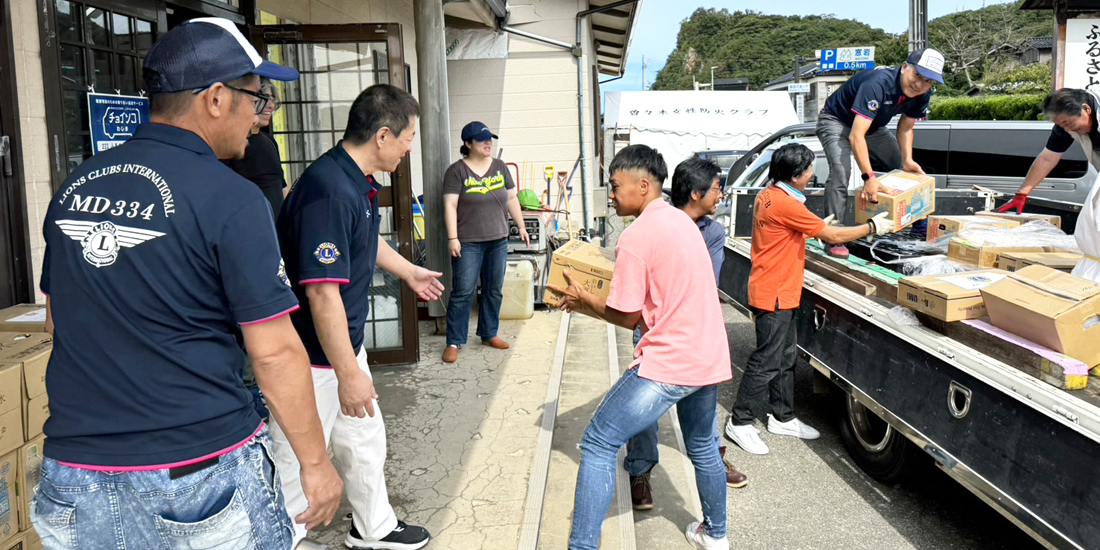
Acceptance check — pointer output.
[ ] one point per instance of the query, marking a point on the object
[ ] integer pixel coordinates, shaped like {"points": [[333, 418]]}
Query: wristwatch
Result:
{"points": [[866, 177]]}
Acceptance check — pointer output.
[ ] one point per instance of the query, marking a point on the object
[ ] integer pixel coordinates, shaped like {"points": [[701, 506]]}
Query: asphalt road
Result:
{"points": [[811, 495]]}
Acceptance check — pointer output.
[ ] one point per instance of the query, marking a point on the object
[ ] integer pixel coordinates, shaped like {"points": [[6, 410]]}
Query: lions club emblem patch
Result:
{"points": [[326, 253], [872, 105], [282, 273]]}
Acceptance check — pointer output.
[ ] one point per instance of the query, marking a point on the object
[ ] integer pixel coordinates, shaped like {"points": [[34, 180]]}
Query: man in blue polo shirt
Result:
{"points": [[158, 257], [328, 230], [853, 123]]}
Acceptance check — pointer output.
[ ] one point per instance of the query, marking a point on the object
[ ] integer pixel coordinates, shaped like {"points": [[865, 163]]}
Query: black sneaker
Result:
{"points": [[403, 537]]}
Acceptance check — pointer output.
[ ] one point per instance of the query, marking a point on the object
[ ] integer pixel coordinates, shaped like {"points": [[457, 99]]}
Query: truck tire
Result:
{"points": [[880, 450]]}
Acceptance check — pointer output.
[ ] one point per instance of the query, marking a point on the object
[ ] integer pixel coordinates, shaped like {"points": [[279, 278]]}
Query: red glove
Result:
{"points": [[1017, 202]]}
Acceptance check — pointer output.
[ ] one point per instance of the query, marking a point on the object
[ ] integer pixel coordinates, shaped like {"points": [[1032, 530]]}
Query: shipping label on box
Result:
{"points": [[941, 227], [33, 352], [589, 265], [23, 318], [1049, 307], [1052, 219], [30, 473], [951, 297], [905, 197], [35, 415]]}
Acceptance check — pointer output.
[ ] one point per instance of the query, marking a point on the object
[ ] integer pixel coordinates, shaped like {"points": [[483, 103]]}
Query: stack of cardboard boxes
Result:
{"points": [[24, 353]]}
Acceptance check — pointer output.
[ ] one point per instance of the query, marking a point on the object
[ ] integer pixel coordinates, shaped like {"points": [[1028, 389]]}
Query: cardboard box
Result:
{"points": [[9, 499], [940, 227], [1062, 261], [985, 256], [951, 297], [33, 541], [1052, 219], [32, 351], [30, 473], [19, 542], [588, 265], [23, 318], [1049, 307], [906, 197], [36, 411]]}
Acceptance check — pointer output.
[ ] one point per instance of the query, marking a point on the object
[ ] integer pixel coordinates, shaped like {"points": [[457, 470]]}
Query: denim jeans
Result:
{"points": [[641, 450], [770, 369], [632, 404], [882, 147], [486, 261], [236, 504]]}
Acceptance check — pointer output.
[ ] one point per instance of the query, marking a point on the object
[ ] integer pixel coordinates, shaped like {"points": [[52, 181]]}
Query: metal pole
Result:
{"points": [[918, 24], [435, 134]]}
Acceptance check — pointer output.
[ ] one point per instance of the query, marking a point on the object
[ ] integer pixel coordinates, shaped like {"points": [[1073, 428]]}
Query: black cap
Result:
{"points": [[202, 52], [477, 131]]}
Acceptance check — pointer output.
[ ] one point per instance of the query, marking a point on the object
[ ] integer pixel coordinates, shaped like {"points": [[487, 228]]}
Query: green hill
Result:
{"points": [[762, 47]]}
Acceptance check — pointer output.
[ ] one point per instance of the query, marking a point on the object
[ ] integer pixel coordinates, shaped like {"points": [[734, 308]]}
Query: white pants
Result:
{"points": [[359, 445]]}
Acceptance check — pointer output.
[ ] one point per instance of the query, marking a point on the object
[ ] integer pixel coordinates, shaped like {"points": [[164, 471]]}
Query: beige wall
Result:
{"points": [[331, 12], [530, 98], [32, 123]]}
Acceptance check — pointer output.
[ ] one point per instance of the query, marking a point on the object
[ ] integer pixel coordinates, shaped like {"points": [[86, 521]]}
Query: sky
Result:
{"points": [[655, 34]]}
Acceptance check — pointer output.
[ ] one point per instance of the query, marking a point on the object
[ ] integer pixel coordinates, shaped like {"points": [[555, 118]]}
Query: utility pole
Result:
{"points": [[643, 72], [918, 24]]}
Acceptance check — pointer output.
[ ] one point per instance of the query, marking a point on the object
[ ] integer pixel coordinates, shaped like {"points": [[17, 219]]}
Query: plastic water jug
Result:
{"points": [[519, 294]]}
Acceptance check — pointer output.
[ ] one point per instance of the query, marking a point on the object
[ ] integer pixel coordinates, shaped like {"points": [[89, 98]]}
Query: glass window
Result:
{"points": [[758, 172], [126, 75], [143, 36], [95, 22], [101, 64], [72, 66], [124, 39], [68, 21], [997, 153]]}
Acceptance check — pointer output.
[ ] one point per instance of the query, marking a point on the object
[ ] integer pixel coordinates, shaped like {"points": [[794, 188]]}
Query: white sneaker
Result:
{"points": [[793, 427], [747, 437], [699, 538]]}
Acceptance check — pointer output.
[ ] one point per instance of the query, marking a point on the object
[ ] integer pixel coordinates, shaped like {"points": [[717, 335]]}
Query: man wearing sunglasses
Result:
{"points": [[158, 259]]}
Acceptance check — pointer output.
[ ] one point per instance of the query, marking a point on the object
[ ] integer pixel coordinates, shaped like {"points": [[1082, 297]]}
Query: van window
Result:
{"points": [[1009, 154], [758, 173]]}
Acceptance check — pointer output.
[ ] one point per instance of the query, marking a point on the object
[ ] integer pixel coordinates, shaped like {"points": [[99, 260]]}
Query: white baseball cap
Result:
{"points": [[929, 63]]}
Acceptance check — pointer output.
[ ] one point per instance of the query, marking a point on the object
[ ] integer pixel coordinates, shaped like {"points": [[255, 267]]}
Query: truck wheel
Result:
{"points": [[877, 447]]}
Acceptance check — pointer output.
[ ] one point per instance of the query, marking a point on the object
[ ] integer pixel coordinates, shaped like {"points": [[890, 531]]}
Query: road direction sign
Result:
{"points": [[848, 59], [800, 88]]}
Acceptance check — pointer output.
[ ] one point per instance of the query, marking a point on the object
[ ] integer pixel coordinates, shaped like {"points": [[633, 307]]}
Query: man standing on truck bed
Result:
{"points": [[1073, 113], [854, 121]]}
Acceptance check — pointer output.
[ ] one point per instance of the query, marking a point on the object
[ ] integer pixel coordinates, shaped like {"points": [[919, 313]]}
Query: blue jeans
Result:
{"points": [[632, 404], [486, 261], [641, 450], [236, 504]]}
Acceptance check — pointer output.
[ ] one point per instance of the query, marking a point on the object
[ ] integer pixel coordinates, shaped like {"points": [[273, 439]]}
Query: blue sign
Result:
{"points": [[848, 59], [113, 119]]}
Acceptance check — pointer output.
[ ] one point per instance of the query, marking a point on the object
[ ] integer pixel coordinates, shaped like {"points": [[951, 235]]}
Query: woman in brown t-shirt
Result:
{"points": [[478, 194]]}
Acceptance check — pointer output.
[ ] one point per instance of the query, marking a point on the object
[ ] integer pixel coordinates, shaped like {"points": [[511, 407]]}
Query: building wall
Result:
{"points": [[35, 151], [530, 98], [334, 12]]}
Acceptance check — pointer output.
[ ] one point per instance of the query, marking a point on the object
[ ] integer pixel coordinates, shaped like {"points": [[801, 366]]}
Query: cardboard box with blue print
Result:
{"points": [[29, 461], [10, 509], [905, 197], [589, 265]]}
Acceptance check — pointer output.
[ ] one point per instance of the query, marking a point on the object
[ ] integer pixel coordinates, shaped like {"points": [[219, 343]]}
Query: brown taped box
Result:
{"points": [[33, 352], [10, 509], [940, 227], [20, 542], [951, 297], [1048, 307], [588, 265], [33, 542], [23, 318], [11, 406], [985, 256], [30, 473], [1062, 261], [906, 198], [1052, 219]]}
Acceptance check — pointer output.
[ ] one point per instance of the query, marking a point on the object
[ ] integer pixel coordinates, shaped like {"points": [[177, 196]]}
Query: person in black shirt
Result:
{"points": [[261, 162], [1073, 113]]}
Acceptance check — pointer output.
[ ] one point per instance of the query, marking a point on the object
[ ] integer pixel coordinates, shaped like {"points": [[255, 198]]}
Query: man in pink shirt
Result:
{"points": [[663, 278]]}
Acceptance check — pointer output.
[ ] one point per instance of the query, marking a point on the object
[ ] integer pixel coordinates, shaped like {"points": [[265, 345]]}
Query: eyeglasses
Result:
{"points": [[261, 99]]}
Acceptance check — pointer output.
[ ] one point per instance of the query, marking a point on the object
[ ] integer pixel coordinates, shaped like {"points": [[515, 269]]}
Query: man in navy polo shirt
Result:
{"points": [[158, 257], [853, 123], [328, 230]]}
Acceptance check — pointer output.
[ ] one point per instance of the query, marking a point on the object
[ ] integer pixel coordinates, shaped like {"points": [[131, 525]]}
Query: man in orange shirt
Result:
{"points": [[780, 228]]}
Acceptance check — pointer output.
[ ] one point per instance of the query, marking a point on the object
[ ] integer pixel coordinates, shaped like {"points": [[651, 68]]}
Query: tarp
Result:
{"points": [[679, 123]]}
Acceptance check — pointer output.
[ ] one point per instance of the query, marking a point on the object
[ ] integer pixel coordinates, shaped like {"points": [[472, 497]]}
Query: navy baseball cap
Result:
{"points": [[929, 63], [477, 132], [204, 51]]}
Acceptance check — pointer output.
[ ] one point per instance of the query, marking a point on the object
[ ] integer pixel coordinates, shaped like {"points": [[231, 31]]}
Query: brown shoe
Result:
{"points": [[450, 355], [641, 495], [496, 342], [734, 478]]}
